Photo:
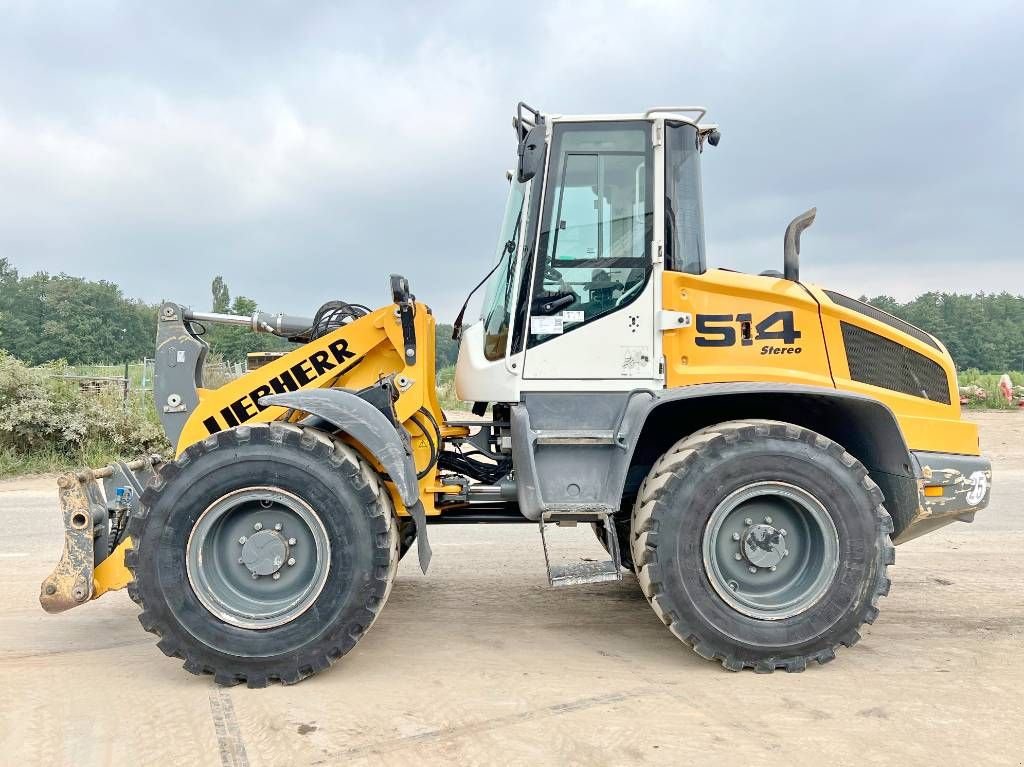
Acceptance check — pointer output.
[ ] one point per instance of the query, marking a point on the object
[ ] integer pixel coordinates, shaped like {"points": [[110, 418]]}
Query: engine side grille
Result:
{"points": [[878, 315], [880, 362]]}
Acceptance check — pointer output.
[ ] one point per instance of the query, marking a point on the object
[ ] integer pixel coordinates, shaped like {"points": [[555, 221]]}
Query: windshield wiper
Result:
{"points": [[509, 248]]}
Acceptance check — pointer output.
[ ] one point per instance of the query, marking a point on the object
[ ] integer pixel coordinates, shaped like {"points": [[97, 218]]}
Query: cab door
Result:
{"points": [[591, 302]]}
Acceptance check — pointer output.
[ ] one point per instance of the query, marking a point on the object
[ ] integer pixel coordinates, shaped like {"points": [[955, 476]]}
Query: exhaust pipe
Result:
{"points": [[791, 244]]}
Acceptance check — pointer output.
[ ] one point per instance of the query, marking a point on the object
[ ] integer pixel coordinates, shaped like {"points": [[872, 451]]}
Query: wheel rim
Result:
{"points": [[258, 557], [770, 550]]}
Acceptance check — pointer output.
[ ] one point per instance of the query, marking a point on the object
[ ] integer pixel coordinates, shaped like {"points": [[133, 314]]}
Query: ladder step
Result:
{"points": [[576, 512], [584, 571], [575, 437], [579, 573]]}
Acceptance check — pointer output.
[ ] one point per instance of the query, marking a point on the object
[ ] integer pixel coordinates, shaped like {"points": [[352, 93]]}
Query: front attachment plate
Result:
{"points": [[70, 583], [89, 501]]}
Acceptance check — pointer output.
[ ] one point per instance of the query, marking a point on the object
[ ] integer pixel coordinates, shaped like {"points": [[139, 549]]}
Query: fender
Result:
{"points": [[848, 416], [349, 413], [627, 429]]}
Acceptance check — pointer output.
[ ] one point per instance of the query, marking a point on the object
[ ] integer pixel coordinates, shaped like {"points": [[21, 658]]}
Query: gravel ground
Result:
{"points": [[481, 663]]}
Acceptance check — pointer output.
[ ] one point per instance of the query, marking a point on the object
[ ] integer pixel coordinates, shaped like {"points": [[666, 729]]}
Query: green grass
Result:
{"points": [[49, 460]]}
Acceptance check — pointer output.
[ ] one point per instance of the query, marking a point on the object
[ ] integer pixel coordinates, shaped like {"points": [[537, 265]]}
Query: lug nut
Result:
{"points": [[752, 569], [291, 561], [735, 536], [772, 568], [733, 585], [785, 553], [277, 576], [258, 526], [291, 541], [782, 532], [242, 540], [748, 521], [767, 520], [278, 527], [737, 556]]}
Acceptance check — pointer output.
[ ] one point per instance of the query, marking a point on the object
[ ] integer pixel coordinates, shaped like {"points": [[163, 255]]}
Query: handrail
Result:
{"points": [[701, 111]]}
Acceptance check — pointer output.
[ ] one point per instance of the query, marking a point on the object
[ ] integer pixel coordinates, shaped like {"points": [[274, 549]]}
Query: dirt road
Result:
{"points": [[480, 663]]}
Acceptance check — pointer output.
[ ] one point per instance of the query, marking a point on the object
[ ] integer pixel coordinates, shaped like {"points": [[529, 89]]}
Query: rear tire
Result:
{"points": [[319, 567], [741, 590]]}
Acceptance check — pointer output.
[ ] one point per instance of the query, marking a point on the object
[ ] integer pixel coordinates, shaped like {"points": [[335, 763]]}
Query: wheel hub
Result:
{"points": [[764, 545], [258, 557], [770, 550], [265, 552]]}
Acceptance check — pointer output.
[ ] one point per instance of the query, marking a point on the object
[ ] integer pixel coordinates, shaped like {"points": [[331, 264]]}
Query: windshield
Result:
{"points": [[496, 311]]}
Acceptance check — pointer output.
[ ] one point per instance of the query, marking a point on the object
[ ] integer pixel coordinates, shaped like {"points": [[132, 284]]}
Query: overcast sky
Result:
{"points": [[306, 150]]}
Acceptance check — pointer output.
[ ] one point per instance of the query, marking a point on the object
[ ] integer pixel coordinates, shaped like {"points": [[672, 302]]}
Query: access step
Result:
{"points": [[582, 571]]}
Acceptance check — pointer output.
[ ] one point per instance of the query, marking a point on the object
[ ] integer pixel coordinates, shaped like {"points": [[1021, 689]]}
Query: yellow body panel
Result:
{"points": [[718, 293], [111, 574], [926, 425], [817, 357]]}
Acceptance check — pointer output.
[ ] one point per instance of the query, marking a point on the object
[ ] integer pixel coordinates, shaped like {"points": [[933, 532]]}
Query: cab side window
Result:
{"points": [[596, 229]]}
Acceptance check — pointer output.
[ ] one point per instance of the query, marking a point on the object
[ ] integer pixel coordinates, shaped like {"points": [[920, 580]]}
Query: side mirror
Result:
{"points": [[531, 153], [791, 244]]}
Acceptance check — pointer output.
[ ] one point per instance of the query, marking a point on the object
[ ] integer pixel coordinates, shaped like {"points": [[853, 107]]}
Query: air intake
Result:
{"points": [[877, 361]]}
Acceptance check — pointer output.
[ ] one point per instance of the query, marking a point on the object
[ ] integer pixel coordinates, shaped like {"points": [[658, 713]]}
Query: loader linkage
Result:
{"points": [[95, 505]]}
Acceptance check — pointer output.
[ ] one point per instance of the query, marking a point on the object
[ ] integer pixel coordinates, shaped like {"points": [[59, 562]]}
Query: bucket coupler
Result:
{"points": [[95, 506]]}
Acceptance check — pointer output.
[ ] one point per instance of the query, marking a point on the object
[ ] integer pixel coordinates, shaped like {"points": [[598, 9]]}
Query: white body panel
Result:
{"points": [[617, 346], [478, 379]]}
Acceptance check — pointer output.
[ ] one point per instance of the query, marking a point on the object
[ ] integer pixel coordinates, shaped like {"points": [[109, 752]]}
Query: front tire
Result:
{"points": [[720, 568], [263, 553]]}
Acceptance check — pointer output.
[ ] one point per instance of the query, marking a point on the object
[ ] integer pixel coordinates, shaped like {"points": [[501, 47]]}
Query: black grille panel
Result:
{"points": [[880, 362], [877, 314]]}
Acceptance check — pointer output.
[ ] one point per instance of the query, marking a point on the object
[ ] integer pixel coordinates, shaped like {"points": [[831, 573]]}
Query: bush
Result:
{"points": [[46, 423], [446, 391]]}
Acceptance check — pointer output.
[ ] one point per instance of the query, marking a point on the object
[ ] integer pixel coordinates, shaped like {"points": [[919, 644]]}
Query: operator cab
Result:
{"points": [[598, 207]]}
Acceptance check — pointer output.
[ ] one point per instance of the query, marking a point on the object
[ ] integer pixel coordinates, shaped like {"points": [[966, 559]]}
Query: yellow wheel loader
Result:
{"points": [[750, 446]]}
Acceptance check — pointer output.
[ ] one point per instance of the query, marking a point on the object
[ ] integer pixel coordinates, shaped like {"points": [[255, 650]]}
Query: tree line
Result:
{"points": [[46, 317], [983, 331]]}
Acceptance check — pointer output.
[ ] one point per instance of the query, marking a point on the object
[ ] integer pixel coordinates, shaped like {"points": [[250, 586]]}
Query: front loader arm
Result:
{"points": [[393, 345]]}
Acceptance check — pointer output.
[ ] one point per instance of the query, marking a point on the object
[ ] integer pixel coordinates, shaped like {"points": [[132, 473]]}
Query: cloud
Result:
{"points": [[304, 152]]}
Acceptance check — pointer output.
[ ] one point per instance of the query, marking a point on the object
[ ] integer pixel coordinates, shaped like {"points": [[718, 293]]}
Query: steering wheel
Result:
{"points": [[629, 293]]}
